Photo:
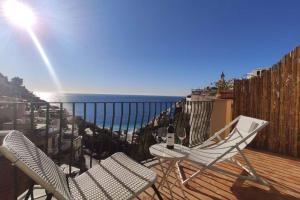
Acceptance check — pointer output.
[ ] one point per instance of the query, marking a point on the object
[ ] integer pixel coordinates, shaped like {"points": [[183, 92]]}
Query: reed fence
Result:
{"points": [[274, 96]]}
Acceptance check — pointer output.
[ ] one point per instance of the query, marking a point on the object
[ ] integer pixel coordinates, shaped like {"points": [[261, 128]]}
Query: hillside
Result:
{"points": [[15, 89]]}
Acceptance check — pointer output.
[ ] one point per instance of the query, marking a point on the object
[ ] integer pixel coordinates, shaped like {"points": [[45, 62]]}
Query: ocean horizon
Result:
{"points": [[135, 117], [98, 97]]}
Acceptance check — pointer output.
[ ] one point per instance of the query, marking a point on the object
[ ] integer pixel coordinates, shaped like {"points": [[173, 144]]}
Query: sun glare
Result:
{"points": [[18, 13], [22, 16]]}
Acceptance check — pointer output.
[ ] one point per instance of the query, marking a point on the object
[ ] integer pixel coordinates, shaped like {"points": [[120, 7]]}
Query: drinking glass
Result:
{"points": [[154, 134], [162, 132], [181, 134]]}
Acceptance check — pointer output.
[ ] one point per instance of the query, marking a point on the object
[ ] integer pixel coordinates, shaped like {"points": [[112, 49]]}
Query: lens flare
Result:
{"points": [[18, 13], [22, 16], [45, 59]]}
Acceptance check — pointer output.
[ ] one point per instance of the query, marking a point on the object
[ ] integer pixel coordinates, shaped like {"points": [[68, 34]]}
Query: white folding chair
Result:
{"points": [[212, 152]]}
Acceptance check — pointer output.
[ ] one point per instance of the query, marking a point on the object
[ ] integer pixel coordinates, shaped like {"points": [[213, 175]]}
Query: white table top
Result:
{"points": [[178, 153]]}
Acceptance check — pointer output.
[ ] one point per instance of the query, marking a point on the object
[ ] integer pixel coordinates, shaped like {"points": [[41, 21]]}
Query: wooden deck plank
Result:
{"points": [[282, 172]]}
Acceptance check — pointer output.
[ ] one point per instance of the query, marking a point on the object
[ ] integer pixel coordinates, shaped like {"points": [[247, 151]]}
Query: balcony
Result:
{"points": [[281, 172], [213, 185], [76, 135]]}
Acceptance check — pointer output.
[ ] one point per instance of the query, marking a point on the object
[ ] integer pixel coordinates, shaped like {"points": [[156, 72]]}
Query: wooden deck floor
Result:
{"points": [[283, 173]]}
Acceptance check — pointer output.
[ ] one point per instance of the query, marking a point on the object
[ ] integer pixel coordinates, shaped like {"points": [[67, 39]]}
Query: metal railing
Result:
{"points": [[71, 131], [42, 119]]}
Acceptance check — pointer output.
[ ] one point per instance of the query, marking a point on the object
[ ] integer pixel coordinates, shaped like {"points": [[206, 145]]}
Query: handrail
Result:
{"points": [[56, 125], [114, 125]]}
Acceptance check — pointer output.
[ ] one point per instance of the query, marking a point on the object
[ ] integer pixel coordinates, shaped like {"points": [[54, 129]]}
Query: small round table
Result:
{"points": [[173, 155]]}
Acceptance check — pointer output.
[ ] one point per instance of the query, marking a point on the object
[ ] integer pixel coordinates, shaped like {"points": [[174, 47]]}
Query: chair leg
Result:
{"points": [[193, 175], [185, 181], [29, 193], [49, 196], [32, 197], [157, 192], [252, 171]]}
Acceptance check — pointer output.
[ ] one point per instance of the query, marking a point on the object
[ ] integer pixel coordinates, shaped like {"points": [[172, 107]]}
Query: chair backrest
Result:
{"points": [[246, 127], [200, 121], [241, 135], [35, 163]]}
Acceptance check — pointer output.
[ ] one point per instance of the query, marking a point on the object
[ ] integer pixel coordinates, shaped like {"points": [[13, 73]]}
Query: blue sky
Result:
{"points": [[162, 47]]}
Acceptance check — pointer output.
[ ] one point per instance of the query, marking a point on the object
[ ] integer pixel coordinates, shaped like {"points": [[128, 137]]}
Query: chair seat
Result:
{"points": [[205, 157], [117, 177]]}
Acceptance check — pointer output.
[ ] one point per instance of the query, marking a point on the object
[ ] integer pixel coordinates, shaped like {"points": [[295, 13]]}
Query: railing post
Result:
{"points": [[149, 112], [201, 114], [47, 128], [60, 130], [155, 109], [143, 113], [121, 120], [81, 143], [15, 116], [31, 117], [170, 112], [160, 107], [84, 113], [166, 107], [72, 138], [94, 133], [192, 117], [135, 118], [104, 111], [128, 122], [160, 113], [112, 127], [113, 117], [166, 113]]}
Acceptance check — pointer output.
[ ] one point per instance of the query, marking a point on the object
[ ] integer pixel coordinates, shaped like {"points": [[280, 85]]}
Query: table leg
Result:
{"points": [[178, 181], [165, 175], [175, 171]]}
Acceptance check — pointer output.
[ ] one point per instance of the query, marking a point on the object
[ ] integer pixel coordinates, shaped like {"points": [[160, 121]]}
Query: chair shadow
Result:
{"points": [[190, 186], [252, 192], [244, 191]]}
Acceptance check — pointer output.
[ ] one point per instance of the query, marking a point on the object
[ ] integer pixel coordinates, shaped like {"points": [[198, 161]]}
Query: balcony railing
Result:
{"points": [[77, 133]]}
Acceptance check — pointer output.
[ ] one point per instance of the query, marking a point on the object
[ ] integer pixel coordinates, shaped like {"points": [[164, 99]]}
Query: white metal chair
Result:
{"points": [[117, 177], [210, 153]]}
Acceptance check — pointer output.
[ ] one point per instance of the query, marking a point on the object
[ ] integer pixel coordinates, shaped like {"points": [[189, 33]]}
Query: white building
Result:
{"points": [[256, 72]]}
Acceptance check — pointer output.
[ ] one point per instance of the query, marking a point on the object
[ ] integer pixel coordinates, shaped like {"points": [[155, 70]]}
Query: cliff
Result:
{"points": [[15, 89]]}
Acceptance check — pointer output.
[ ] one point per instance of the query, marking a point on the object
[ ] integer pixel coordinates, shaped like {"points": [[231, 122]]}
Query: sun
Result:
{"points": [[19, 14]]}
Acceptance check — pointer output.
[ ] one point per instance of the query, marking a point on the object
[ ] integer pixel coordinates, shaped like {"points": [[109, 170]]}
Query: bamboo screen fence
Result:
{"points": [[275, 97]]}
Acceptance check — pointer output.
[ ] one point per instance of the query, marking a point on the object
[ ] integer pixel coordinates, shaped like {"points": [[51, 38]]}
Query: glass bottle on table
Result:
{"points": [[170, 137]]}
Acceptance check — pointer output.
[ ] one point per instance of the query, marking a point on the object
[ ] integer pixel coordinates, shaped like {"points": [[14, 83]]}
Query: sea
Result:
{"points": [[119, 112]]}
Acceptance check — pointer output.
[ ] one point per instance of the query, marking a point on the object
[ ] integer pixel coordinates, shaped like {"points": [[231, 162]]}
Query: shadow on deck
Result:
{"points": [[283, 173]]}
